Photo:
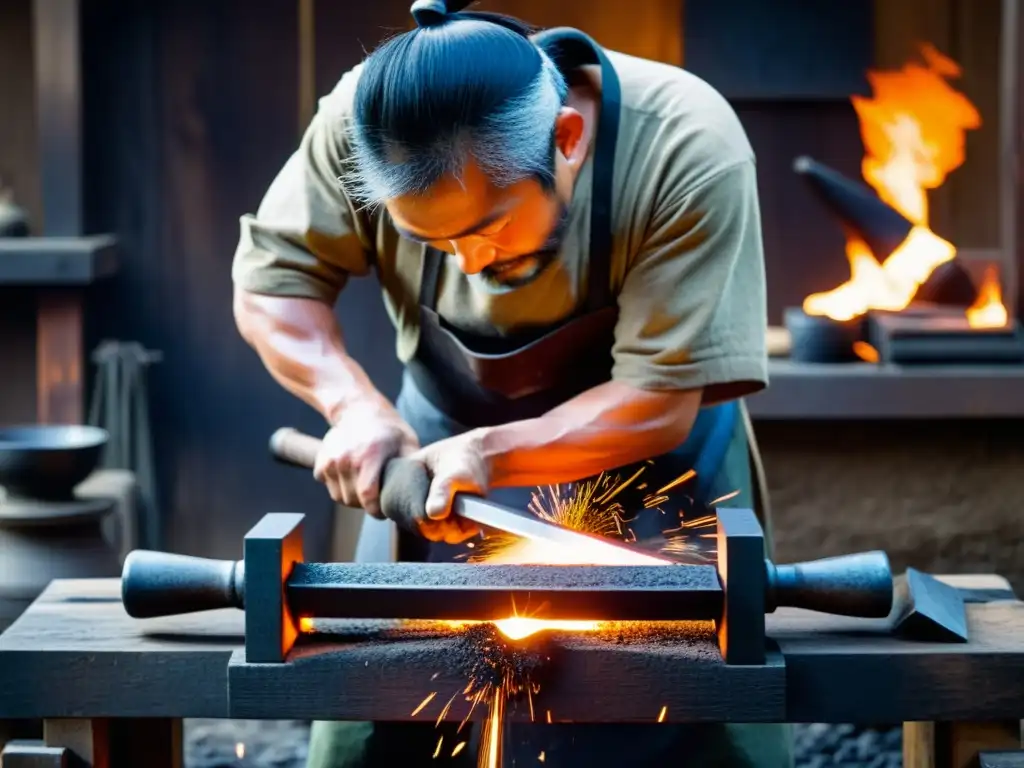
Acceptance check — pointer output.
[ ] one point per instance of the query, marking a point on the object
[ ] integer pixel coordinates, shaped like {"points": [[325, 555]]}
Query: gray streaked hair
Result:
{"points": [[428, 100]]}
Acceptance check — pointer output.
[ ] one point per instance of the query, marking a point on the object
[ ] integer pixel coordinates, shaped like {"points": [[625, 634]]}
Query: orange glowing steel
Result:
{"points": [[913, 128]]}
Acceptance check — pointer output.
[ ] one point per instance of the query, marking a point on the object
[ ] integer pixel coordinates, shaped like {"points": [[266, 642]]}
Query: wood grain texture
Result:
{"points": [[59, 358], [76, 652], [958, 745], [373, 680]]}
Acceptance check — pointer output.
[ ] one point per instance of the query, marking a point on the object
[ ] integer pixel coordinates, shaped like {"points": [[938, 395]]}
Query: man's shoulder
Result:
{"points": [[692, 130], [339, 102]]}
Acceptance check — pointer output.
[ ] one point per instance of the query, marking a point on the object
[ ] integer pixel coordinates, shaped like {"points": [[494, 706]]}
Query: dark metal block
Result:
{"points": [[25, 754], [942, 336], [272, 548], [929, 610], [592, 678], [457, 591], [741, 568]]}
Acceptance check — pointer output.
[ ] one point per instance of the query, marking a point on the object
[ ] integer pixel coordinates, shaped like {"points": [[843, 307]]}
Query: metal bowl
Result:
{"points": [[46, 462]]}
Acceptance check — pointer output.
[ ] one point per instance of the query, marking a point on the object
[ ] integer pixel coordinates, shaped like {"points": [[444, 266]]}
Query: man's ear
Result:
{"points": [[569, 136]]}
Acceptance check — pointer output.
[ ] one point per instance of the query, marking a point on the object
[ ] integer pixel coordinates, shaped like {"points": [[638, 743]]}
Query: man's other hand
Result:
{"points": [[367, 435], [455, 465]]}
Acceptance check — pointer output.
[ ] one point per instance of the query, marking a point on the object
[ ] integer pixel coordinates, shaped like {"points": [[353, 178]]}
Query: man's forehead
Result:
{"points": [[451, 209]]}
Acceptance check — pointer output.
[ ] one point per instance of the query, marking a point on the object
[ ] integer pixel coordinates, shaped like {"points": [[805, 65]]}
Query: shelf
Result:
{"points": [[823, 392], [56, 261]]}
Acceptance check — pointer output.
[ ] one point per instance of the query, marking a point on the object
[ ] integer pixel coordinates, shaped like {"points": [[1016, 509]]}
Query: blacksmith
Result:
{"points": [[568, 242]]}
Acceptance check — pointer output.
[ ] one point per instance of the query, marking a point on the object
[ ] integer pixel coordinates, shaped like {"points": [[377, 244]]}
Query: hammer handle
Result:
{"points": [[404, 483], [290, 446]]}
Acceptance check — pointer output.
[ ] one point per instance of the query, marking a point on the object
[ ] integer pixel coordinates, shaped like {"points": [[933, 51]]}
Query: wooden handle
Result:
{"points": [[290, 446], [404, 483]]}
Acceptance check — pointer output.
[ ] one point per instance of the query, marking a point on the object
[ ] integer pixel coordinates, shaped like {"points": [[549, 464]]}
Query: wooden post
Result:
{"points": [[118, 743], [955, 745], [59, 358], [1011, 152]]}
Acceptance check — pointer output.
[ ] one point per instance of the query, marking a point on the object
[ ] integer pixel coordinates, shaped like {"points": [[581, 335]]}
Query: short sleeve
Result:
{"points": [[692, 308], [306, 237]]}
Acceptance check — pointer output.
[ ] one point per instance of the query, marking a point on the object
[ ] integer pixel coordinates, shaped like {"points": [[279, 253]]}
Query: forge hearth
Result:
{"points": [[913, 298]]}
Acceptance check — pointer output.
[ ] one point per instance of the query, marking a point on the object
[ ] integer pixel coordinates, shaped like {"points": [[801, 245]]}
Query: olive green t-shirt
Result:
{"points": [[687, 263]]}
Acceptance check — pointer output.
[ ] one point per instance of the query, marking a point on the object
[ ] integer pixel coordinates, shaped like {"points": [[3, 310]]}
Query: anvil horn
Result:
{"points": [[859, 209], [863, 214]]}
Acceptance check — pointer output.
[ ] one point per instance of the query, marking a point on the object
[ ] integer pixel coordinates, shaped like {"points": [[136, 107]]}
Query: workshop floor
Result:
{"points": [[213, 744]]}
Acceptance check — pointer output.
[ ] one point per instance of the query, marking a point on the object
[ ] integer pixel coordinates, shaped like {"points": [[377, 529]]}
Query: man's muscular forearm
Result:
{"points": [[300, 343], [608, 426]]}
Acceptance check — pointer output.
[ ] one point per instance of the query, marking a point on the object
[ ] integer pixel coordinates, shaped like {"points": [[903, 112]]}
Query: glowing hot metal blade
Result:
{"points": [[498, 517]]}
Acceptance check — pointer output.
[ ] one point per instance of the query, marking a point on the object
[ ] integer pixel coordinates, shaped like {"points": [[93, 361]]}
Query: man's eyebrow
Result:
{"points": [[419, 238]]}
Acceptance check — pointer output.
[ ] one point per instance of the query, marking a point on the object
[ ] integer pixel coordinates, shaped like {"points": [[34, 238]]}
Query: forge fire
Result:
{"points": [[913, 129]]}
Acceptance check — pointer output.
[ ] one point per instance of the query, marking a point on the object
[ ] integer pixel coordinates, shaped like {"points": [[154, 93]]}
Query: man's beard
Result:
{"points": [[507, 276]]}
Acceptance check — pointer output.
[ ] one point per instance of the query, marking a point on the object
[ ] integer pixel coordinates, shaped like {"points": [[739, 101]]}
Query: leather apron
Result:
{"points": [[458, 381]]}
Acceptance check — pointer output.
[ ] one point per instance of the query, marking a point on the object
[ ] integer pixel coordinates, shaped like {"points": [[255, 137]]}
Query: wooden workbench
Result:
{"points": [[78, 661]]}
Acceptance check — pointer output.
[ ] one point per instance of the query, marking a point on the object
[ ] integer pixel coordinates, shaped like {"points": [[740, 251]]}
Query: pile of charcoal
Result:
{"points": [[271, 744], [816, 745], [246, 743]]}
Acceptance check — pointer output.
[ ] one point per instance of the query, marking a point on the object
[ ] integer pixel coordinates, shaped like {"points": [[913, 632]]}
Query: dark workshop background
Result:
{"points": [[191, 107]]}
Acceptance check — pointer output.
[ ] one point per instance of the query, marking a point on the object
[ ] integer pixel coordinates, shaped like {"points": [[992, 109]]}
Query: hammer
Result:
{"points": [[405, 485]]}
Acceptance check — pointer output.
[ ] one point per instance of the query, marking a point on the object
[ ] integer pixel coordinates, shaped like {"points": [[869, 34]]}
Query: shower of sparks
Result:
{"points": [[727, 496], [592, 507], [437, 751], [430, 697], [458, 748]]}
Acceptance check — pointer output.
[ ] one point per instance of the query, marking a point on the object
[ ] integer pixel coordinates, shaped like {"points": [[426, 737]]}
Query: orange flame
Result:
{"points": [[988, 310], [913, 129]]}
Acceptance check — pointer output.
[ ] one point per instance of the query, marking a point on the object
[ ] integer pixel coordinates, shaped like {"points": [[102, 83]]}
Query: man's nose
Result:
{"points": [[473, 257]]}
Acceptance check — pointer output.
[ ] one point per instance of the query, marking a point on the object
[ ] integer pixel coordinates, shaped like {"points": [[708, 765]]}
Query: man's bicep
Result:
{"points": [[692, 308], [306, 238]]}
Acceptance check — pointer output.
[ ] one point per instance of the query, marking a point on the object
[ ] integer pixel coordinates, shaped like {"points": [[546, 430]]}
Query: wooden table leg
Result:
{"points": [[956, 745], [119, 743]]}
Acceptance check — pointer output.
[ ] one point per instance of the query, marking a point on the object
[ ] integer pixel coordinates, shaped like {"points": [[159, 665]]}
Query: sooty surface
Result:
{"points": [[592, 577]]}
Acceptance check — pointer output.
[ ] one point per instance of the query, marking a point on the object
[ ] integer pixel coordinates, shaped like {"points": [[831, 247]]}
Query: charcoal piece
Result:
{"points": [[862, 213], [949, 284], [937, 336], [929, 610], [847, 752], [868, 744]]}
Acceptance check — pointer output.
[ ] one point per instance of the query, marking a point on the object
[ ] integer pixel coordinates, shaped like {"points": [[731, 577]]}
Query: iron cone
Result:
{"points": [[859, 209]]}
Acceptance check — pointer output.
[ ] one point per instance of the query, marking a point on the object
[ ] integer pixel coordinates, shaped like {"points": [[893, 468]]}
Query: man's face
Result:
{"points": [[506, 236]]}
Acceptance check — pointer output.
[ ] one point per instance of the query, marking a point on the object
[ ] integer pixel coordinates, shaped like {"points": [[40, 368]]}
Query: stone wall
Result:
{"points": [[939, 496]]}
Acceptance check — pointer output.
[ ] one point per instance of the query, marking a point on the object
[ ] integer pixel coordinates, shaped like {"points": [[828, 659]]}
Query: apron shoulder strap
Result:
{"points": [[570, 48]]}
